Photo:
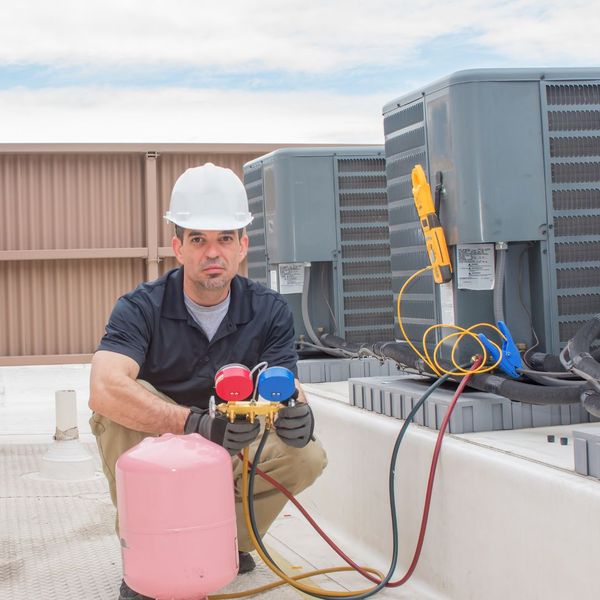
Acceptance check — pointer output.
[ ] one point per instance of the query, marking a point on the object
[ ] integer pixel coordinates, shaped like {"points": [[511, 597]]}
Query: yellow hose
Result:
{"points": [[285, 578], [459, 333]]}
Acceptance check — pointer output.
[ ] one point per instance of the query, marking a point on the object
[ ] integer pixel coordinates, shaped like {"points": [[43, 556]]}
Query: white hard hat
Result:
{"points": [[209, 198]]}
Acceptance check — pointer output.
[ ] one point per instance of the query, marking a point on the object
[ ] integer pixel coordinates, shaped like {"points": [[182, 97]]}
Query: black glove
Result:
{"points": [[295, 424], [220, 430]]}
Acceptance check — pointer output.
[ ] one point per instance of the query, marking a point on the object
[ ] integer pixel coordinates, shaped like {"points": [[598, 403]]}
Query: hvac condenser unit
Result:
{"points": [[325, 209], [513, 157]]}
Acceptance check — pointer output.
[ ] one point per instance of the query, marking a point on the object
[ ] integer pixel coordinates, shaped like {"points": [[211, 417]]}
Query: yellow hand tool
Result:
{"points": [[435, 240]]}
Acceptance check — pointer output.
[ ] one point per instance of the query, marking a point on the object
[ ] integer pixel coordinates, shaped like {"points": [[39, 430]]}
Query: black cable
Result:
{"points": [[545, 379], [392, 496]]}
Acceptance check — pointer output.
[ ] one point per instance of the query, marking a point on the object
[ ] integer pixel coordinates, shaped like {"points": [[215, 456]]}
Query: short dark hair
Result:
{"points": [[179, 232]]}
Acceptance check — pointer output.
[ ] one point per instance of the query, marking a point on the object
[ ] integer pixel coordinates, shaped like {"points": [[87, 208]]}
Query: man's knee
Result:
{"points": [[307, 464]]}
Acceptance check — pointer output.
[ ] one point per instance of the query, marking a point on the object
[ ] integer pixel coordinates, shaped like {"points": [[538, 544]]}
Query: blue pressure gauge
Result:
{"points": [[276, 384]]}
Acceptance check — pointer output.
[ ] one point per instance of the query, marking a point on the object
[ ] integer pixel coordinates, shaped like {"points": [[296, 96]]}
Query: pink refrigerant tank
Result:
{"points": [[177, 517]]}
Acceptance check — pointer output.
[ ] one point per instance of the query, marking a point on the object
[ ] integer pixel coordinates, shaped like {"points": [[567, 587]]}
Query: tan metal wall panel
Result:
{"points": [[60, 307], [51, 201], [166, 264], [78, 228], [171, 166]]}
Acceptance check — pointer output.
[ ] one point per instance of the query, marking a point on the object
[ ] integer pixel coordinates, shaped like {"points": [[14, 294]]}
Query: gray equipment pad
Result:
{"points": [[475, 411], [314, 370], [587, 452]]}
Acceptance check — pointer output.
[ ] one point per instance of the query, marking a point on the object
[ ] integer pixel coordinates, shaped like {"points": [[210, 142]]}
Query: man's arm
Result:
{"points": [[115, 394]]}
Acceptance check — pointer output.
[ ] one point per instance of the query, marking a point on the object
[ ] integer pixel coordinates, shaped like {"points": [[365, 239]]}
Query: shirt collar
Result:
{"points": [[240, 306]]}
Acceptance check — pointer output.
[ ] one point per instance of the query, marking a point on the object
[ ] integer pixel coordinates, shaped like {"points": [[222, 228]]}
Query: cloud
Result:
{"points": [[186, 115], [276, 71], [552, 32], [291, 35]]}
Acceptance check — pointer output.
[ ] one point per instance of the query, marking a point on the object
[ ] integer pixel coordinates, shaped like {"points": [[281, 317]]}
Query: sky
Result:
{"points": [[268, 71]]}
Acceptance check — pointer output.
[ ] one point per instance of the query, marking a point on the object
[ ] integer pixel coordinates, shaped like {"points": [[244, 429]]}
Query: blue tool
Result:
{"points": [[511, 358], [276, 384]]}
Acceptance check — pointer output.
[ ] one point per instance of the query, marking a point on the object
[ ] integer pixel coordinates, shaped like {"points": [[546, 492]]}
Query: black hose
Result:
{"points": [[526, 392], [546, 362], [542, 379], [551, 362], [590, 399], [401, 353], [334, 341], [576, 353]]}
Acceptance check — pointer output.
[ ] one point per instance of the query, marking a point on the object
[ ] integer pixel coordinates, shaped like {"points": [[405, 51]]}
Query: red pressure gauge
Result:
{"points": [[234, 382]]}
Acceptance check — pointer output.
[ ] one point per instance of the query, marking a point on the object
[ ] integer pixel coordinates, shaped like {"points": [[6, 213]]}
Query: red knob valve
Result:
{"points": [[233, 383]]}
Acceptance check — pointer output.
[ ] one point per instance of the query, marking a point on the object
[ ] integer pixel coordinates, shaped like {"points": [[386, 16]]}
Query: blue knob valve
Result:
{"points": [[276, 384]]}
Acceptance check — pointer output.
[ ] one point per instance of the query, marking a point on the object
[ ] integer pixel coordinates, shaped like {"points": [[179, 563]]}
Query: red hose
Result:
{"points": [[315, 526], [426, 507], [434, 461]]}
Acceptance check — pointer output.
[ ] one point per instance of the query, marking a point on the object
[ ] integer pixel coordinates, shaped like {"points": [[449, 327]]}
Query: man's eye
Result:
{"points": [[196, 240], [227, 238]]}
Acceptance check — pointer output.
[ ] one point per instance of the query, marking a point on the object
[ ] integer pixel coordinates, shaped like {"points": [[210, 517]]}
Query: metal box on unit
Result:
{"points": [[515, 158], [326, 208]]}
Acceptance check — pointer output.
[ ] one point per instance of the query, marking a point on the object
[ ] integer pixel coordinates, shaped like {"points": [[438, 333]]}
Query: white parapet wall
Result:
{"points": [[504, 523]]}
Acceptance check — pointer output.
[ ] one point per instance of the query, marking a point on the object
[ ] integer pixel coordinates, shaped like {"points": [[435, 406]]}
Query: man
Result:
{"points": [[154, 369]]}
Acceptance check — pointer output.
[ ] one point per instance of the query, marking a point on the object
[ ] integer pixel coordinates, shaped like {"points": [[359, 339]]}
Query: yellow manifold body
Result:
{"points": [[250, 410]]}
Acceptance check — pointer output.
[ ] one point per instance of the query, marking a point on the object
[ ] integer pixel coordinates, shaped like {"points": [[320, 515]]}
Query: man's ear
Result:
{"points": [[243, 246], [176, 245]]}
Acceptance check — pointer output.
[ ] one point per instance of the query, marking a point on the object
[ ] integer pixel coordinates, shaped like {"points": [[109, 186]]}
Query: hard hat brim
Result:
{"points": [[213, 223]]}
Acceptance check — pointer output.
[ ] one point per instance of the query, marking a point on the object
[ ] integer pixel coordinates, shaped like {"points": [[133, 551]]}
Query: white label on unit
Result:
{"points": [[475, 268], [273, 279], [447, 303], [291, 278]]}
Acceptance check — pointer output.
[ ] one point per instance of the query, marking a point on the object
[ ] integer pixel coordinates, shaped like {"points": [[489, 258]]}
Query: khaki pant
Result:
{"points": [[294, 468]]}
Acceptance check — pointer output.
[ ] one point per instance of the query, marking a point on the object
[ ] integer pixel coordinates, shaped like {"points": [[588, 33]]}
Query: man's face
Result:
{"points": [[210, 258]]}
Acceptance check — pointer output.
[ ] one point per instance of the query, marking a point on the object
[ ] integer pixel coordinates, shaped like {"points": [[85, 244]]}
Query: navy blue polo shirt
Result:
{"points": [[152, 326]]}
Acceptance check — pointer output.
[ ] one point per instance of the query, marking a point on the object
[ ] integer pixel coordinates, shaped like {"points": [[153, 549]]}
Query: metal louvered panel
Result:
{"points": [[356, 233], [367, 302], [577, 278], [565, 226], [575, 146], [576, 199], [576, 120], [567, 329], [577, 305], [573, 153], [356, 181], [575, 172], [257, 256], [365, 249], [405, 147], [573, 94], [375, 284], [577, 252]]}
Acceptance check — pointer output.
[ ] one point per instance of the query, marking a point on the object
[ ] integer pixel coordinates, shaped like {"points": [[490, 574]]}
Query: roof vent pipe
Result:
{"points": [[67, 459]]}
